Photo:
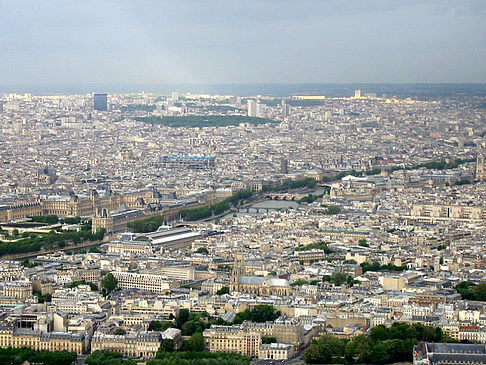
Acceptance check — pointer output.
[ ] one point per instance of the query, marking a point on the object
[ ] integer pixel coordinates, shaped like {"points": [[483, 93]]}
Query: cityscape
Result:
{"points": [[166, 198]]}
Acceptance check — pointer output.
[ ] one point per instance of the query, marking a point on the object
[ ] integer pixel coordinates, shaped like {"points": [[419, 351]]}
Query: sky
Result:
{"points": [[243, 41]]}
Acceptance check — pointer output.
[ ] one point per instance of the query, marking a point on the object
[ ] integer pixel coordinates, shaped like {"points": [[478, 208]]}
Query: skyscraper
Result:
{"points": [[252, 108], [101, 102], [285, 109], [357, 94], [259, 110]]}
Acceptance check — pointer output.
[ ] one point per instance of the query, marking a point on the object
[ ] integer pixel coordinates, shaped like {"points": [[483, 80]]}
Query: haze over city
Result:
{"points": [[213, 42], [242, 182]]}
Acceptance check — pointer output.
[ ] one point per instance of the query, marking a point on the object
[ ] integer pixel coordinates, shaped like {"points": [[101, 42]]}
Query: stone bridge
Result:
{"points": [[284, 196]]}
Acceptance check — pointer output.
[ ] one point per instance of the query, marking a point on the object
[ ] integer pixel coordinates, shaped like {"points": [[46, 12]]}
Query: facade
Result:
{"points": [[100, 102], [114, 222], [276, 351], [246, 341], [131, 280], [38, 340], [17, 290], [233, 339], [285, 330], [177, 272], [72, 205], [141, 344], [310, 255], [437, 212], [263, 286], [136, 247]]}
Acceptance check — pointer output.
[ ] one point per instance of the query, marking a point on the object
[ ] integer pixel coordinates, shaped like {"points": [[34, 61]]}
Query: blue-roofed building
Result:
{"points": [[188, 162]]}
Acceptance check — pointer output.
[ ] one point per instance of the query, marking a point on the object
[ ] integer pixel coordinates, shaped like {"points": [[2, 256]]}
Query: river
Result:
{"points": [[267, 205]]}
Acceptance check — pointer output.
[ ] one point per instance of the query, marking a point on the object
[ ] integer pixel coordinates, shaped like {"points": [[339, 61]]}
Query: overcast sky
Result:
{"points": [[254, 41]]}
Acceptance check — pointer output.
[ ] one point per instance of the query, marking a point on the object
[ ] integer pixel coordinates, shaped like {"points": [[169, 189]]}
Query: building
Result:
{"points": [[284, 166], [437, 212], [130, 246], [285, 109], [100, 102], [448, 353], [71, 205], [252, 108], [480, 168], [285, 330], [188, 162], [173, 334], [262, 286], [276, 351], [233, 339], [177, 272], [17, 290], [245, 341], [46, 176], [310, 255], [116, 221], [132, 280], [39, 340], [166, 238], [357, 94], [141, 344]]}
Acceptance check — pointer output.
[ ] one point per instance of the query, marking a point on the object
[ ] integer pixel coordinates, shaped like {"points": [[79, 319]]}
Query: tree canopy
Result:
{"points": [[472, 291], [260, 313], [382, 345], [192, 121], [109, 283], [17, 356]]}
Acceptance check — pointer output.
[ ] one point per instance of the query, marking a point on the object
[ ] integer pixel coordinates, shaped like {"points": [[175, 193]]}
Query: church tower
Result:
{"points": [[480, 168], [235, 277]]}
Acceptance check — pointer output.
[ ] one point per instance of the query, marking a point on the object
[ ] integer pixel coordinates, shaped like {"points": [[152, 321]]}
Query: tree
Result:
{"points": [[182, 318], [269, 340], [322, 350], [223, 290], [202, 250], [379, 333], [480, 292], [339, 277], [313, 354], [160, 326], [363, 243], [195, 343], [466, 289], [192, 326], [263, 313], [168, 344], [361, 347], [332, 210], [109, 283]]}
